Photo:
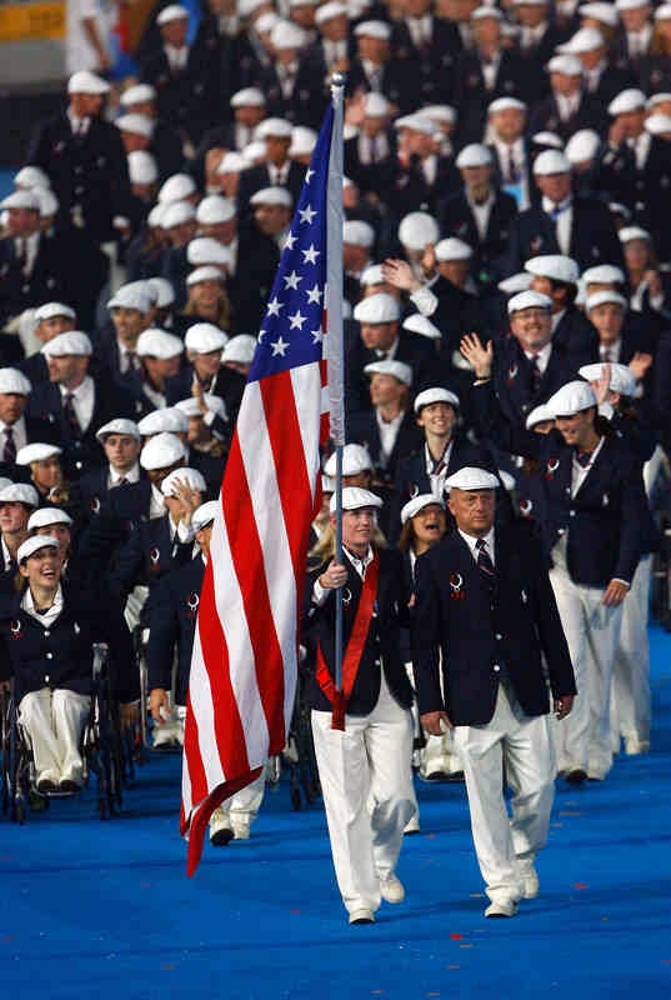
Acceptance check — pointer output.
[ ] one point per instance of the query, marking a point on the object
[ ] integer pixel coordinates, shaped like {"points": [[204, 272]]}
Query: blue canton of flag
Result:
{"points": [[291, 333]]}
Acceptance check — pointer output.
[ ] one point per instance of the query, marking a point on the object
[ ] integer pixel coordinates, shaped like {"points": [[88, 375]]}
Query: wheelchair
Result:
{"points": [[107, 751]]}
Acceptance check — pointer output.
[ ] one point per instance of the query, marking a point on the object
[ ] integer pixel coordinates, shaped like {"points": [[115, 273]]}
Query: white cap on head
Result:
{"points": [[452, 248], [354, 498], [606, 13], [15, 382], [603, 274], [173, 12], [516, 283], [139, 93], [417, 229], [232, 163], [278, 128], [247, 7], [566, 64], [165, 293], [74, 342], [538, 415], [205, 514], [23, 198], [622, 379], [167, 420], [163, 450], [52, 309], [378, 308], [375, 105], [358, 233], [36, 452], [194, 478], [191, 409], [631, 99], [32, 177], [34, 544], [444, 114], [303, 141], [272, 196], [506, 104], [605, 297], [658, 124], [397, 369], [418, 503], [287, 35], [136, 124], [631, 4], [43, 517], [19, 493], [416, 123], [176, 213], [155, 217], [472, 478], [584, 40], [572, 398], [629, 233], [142, 167], [529, 300], [486, 11], [372, 275], [663, 12], [254, 152], [239, 350], [476, 154], [355, 459], [436, 394], [373, 29], [131, 296], [550, 140], [554, 266], [330, 10], [120, 425], [155, 343], [551, 161], [4, 481], [85, 82], [48, 202], [583, 146], [205, 250], [202, 338], [421, 325], [659, 98], [176, 188], [207, 272], [248, 97]]}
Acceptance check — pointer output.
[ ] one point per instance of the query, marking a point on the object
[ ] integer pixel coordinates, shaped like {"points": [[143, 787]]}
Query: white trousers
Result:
{"points": [[54, 721], [366, 781], [592, 631], [631, 711], [507, 846]]}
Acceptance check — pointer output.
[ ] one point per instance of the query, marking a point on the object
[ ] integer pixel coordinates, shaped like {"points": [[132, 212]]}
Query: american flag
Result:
{"points": [[244, 661]]}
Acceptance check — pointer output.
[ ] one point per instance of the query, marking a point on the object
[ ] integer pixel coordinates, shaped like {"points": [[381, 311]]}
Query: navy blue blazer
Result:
{"points": [[172, 623], [481, 632], [513, 376]]}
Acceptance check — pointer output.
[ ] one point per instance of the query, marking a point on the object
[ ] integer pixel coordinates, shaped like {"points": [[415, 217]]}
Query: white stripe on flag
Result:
{"points": [[308, 394]]}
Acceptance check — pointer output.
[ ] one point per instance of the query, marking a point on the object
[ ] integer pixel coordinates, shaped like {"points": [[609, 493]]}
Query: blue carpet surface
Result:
{"points": [[92, 909]]}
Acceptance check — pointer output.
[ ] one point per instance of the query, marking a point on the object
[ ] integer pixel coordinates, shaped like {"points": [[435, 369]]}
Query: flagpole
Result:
{"points": [[334, 340]]}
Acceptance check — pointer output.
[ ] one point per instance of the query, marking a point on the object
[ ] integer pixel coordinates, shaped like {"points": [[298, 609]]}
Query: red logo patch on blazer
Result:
{"points": [[456, 582], [15, 630], [192, 601], [551, 468]]}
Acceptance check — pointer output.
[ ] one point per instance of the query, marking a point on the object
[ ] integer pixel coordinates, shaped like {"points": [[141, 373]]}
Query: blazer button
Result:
{"points": [[50, 656], [497, 668], [377, 663], [498, 637], [571, 513], [47, 679], [47, 633]]}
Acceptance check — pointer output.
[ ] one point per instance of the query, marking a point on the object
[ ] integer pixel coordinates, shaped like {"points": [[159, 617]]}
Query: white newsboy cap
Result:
{"points": [[248, 97], [663, 12], [629, 233], [142, 168], [167, 420], [603, 274], [631, 4], [176, 188], [555, 266], [215, 209], [358, 233], [287, 35], [378, 308], [472, 478], [52, 309], [14, 381], [120, 425], [373, 29], [631, 99], [155, 343], [32, 177], [176, 213], [452, 248], [45, 516], [582, 146], [274, 195], [653, 100], [48, 201], [303, 141], [330, 10], [19, 493], [4, 481], [36, 452], [354, 497], [606, 13], [74, 342], [131, 296], [165, 293], [155, 217], [480, 13], [436, 394], [506, 104], [173, 12], [355, 459], [372, 275], [193, 477], [421, 325], [162, 450], [585, 40], [444, 114], [538, 415], [232, 163], [32, 545], [136, 124], [418, 503], [397, 369], [476, 154], [622, 378], [516, 283], [572, 398], [566, 64], [551, 161], [206, 273], [279, 128], [85, 82], [529, 300], [205, 514], [375, 105], [202, 338], [658, 124], [207, 250], [417, 229], [548, 139], [23, 198], [139, 93], [605, 297], [416, 123], [190, 408], [239, 350]]}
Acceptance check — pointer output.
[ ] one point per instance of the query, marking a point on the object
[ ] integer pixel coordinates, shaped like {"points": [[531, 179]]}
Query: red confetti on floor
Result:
{"points": [[581, 885], [295, 912], [457, 937]]}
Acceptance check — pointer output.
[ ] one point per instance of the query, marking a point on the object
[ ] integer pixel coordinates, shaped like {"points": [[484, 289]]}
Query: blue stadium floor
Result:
{"points": [[104, 910]]}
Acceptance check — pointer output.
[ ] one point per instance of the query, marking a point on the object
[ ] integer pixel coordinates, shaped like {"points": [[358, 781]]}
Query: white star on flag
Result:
{"points": [[279, 347], [307, 214], [297, 320], [314, 294], [289, 241], [317, 336], [310, 255], [292, 280], [274, 307]]}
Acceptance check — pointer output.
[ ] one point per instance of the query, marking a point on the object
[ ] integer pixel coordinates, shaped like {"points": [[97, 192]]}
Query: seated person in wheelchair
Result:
{"points": [[50, 629]]}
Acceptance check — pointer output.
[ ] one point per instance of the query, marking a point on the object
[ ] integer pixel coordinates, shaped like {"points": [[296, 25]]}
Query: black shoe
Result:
{"points": [[576, 776], [456, 778], [222, 838], [438, 777], [66, 785], [45, 786]]}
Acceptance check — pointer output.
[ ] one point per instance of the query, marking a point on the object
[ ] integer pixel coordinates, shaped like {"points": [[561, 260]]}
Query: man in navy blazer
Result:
{"points": [[484, 605]]}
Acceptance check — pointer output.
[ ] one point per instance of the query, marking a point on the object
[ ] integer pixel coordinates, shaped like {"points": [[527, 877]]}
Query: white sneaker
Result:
{"points": [[412, 826], [530, 883], [361, 916], [241, 827], [221, 833], [392, 889], [501, 908], [633, 746]]}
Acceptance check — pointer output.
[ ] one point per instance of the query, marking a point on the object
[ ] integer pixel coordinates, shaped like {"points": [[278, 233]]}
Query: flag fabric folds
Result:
{"points": [[244, 661]]}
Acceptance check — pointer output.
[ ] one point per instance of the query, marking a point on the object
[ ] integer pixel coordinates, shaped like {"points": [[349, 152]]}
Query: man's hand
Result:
{"points": [[563, 705], [479, 358], [639, 364], [436, 723], [158, 699], [129, 714], [399, 274], [333, 577], [602, 387], [615, 593]]}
